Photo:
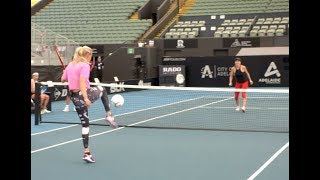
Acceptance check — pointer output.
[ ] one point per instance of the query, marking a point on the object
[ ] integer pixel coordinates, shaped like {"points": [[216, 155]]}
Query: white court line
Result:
{"points": [[197, 107], [270, 97], [268, 162], [257, 97], [221, 107], [74, 140], [117, 115], [177, 112], [279, 108], [56, 129]]}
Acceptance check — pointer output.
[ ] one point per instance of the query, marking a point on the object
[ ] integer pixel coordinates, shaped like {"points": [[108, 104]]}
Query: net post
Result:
{"points": [[37, 108]]}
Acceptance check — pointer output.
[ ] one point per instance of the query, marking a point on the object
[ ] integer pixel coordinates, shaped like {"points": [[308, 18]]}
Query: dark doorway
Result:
{"points": [[154, 18]]}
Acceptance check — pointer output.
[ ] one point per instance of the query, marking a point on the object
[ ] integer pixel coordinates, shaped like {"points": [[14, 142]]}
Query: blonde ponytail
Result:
{"points": [[81, 53]]}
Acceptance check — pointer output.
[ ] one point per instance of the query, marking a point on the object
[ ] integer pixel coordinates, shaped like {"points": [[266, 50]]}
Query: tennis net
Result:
{"points": [[186, 108]]}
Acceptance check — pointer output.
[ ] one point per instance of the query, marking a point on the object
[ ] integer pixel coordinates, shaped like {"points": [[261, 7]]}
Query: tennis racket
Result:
{"points": [[60, 58], [63, 66]]}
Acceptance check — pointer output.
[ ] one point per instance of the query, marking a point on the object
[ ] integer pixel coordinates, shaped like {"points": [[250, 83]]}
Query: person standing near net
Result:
{"points": [[82, 95], [243, 78], [68, 99], [99, 68]]}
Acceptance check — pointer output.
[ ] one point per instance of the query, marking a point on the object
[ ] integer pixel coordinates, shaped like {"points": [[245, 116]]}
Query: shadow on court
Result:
{"points": [[145, 154]]}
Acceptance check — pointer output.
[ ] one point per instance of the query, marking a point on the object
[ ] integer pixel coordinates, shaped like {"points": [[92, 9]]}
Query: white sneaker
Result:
{"points": [[243, 109], [46, 111], [238, 108], [88, 158], [66, 109], [111, 121], [42, 111]]}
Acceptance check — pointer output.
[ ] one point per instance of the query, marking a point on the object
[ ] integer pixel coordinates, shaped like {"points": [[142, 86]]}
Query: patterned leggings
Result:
{"points": [[94, 93]]}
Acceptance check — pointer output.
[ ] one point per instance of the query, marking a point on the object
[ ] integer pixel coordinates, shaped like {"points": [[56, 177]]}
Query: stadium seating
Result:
{"points": [[234, 28], [266, 25], [185, 29], [239, 18], [247, 27], [94, 21], [216, 7], [270, 26]]}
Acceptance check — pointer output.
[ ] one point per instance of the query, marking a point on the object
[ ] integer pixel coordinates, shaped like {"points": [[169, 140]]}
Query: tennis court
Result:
{"points": [[181, 135]]}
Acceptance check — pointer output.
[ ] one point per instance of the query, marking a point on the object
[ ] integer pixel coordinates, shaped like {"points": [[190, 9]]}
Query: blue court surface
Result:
{"points": [[214, 141]]}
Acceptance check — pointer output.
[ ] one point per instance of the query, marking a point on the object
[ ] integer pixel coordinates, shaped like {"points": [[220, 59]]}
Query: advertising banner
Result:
{"points": [[265, 71], [172, 75]]}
